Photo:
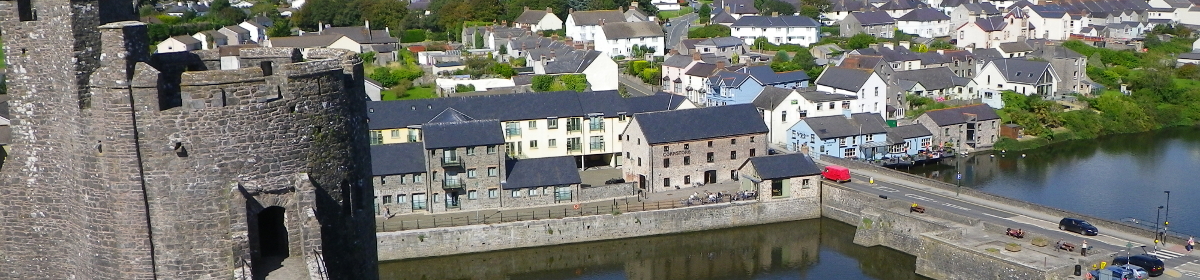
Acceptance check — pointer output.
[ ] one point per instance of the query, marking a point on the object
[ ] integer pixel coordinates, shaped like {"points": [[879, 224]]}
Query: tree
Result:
{"points": [[383, 13], [804, 59], [810, 11], [541, 82], [367, 57], [504, 70], [576, 82], [760, 43], [770, 7], [651, 76], [735, 59], [637, 66], [705, 13], [478, 39], [504, 49], [709, 31], [859, 41]]}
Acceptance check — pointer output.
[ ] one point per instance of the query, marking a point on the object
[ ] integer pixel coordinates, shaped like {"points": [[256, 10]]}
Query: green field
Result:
{"points": [[412, 93], [673, 14]]}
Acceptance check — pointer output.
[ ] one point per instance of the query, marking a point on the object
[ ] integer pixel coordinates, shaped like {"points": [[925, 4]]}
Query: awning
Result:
{"points": [[874, 144], [891, 109]]}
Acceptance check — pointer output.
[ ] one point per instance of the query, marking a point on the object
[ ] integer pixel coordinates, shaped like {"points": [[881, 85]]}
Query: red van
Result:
{"points": [[836, 173]]}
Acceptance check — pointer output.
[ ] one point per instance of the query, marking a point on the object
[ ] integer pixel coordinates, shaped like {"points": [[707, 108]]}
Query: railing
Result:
{"points": [[451, 161], [596, 126], [510, 132], [469, 218], [596, 147], [452, 184], [321, 264]]}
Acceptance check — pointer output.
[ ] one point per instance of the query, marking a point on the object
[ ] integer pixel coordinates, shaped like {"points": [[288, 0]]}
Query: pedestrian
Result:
{"points": [[1191, 243], [1083, 249], [1058, 245], [387, 213]]}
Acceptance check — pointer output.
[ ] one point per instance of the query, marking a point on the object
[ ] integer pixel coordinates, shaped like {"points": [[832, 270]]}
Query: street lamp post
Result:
{"points": [[1167, 213], [1156, 219]]}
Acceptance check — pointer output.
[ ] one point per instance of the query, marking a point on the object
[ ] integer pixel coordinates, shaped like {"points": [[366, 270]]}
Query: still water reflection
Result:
{"points": [[1114, 177], [809, 249]]}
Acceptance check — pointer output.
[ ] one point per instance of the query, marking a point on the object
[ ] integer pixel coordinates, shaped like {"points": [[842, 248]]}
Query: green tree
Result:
{"points": [[810, 11], [770, 7], [761, 42], [576, 82], [637, 66], [804, 59], [504, 70], [705, 13], [367, 57], [464, 88], [1014, 100], [504, 49], [519, 62], [478, 39], [541, 82], [709, 31], [859, 41], [651, 76]]}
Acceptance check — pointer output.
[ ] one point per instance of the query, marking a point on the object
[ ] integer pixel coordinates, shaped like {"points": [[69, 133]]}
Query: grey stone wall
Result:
{"points": [[480, 161], [482, 238], [589, 193], [398, 186], [653, 166]]}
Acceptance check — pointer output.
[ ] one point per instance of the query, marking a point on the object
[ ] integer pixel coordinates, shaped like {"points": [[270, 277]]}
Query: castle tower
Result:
{"points": [[128, 166]]}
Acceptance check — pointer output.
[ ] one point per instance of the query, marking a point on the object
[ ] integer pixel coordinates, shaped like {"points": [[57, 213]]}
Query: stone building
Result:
{"points": [[970, 127], [781, 176], [125, 165], [681, 148]]}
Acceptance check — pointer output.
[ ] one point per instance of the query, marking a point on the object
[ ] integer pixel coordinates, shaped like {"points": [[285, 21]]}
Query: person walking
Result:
{"points": [[1191, 244], [1083, 249]]}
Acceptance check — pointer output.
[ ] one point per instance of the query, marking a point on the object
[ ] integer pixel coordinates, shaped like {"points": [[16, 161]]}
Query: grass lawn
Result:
{"points": [[673, 14], [412, 93], [1186, 83]]}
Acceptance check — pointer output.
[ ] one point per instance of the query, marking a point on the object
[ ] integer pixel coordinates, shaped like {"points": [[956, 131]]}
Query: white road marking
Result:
{"points": [[1165, 254], [917, 197], [887, 189], [956, 206]]}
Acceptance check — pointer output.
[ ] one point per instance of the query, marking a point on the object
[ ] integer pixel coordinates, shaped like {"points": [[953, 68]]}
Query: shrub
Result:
{"points": [[412, 36]]}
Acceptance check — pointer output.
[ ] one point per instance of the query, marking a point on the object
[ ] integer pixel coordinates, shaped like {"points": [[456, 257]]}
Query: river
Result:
{"points": [[809, 249], [1113, 177]]}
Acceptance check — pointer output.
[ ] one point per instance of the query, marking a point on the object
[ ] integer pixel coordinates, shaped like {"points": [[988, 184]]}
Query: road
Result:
{"points": [[1178, 262], [679, 29], [635, 88]]}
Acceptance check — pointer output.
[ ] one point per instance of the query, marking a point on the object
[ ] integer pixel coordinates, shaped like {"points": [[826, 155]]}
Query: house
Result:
{"points": [[400, 175], [781, 108], [735, 8], [990, 32], [538, 20], [671, 149], [781, 176], [768, 77], [796, 30], [878, 23], [898, 58], [307, 43], [722, 17], [634, 14], [536, 125], [686, 46], [1052, 22], [459, 151], [840, 9], [663, 5], [364, 40], [935, 83], [970, 12], [962, 62], [1070, 66], [374, 89], [618, 38], [908, 140], [585, 25], [677, 80], [541, 181], [1014, 49], [722, 46], [731, 87], [970, 127], [826, 51], [1023, 76], [898, 8], [849, 136], [925, 22], [236, 35], [598, 68], [1188, 58], [181, 43], [210, 39], [866, 84], [258, 32]]}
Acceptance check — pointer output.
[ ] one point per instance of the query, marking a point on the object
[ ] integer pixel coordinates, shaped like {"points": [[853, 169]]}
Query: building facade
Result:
{"points": [[966, 128], [795, 30], [685, 148]]}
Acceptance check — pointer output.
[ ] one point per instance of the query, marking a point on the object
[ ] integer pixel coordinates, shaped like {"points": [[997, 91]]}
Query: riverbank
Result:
{"points": [[1062, 136]]}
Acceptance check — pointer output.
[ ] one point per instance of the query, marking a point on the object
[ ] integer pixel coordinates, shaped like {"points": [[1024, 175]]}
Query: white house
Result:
{"points": [[925, 22], [969, 12], [1023, 76], [683, 75], [782, 108], [584, 25], [664, 5], [258, 33], [618, 38], [796, 30], [865, 84], [236, 35], [538, 20], [600, 70], [210, 39], [181, 43], [306, 43], [1051, 22], [990, 32]]}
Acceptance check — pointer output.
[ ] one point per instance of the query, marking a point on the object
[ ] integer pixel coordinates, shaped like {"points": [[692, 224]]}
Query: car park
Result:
{"points": [[1078, 226]]}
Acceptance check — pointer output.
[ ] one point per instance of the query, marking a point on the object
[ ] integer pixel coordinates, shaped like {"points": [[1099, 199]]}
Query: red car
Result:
{"points": [[836, 173]]}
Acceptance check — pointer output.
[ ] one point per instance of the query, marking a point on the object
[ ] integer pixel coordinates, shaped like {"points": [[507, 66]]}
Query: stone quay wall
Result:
{"points": [[482, 238], [613, 191]]}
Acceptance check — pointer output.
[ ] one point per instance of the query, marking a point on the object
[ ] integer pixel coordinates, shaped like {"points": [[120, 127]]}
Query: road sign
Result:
{"points": [[959, 176]]}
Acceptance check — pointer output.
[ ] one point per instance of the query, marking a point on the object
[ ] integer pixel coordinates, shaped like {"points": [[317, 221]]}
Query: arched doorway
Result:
{"points": [[272, 234]]}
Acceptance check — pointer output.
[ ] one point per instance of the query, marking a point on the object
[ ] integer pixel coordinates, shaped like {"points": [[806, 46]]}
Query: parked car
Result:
{"points": [[1152, 265], [836, 173], [1117, 272], [1078, 226], [1138, 271]]}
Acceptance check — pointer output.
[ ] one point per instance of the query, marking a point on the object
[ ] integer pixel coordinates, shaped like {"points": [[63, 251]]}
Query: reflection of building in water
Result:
{"points": [[797, 249]]}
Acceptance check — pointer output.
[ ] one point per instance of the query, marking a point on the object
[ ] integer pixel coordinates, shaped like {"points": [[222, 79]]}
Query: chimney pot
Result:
{"points": [[695, 56], [633, 4], [774, 14], [526, 8], [570, 10], [727, 9], [549, 10]]}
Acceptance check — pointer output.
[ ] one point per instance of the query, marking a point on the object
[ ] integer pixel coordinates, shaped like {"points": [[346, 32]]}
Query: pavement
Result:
{"points": [[1180, 264], [679, 29]]}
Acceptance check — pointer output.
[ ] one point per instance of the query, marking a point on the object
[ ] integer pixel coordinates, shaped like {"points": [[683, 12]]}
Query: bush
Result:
{"points": [[1040, 242], [412, 36], [1012, 247], [710, 31]]}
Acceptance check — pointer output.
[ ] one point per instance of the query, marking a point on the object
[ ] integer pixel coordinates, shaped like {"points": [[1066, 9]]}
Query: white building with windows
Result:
{"points": [[1023, 76], [925, 22], [538, 20], [782, 108], [618, 38], [585, 25], [795, 30], [865, 84]]}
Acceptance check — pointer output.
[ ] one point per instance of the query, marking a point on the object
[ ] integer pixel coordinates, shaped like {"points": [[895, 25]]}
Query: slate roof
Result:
{"points": [[361, 35], [728, 78], [930, 58], [861, 61], [931, 78], [821, 96], [954, 3], [304, 41], [846, 5], [957, 115], [522, 106], [636, 13], [850, 79], [828, 48], [213, 33], [583, 18], [448, 64], [185, 39], [392, 159], [722, 42], [1020, 70], [419, 5], [658, 102], [681, 61], [1049, 52], [763, 74], [988, 54], [701, 70], [723, 17], [990, 24], [462, 134], [900, 133], [1049, 11], [838, 126], [1189, 56], [541, 172], [784, 166], [575, 62], [450, 115], [237, 29], [770, 97], [626, 30], [531, 16], [982, 8], [873, 18], [690, 43], [1011, 47], [901, 5], [700, 123], [736, 6], [780, 21], [924, 14]]}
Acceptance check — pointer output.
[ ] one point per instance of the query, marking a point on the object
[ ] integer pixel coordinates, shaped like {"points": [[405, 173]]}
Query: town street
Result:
{"points": [[679, 29]]}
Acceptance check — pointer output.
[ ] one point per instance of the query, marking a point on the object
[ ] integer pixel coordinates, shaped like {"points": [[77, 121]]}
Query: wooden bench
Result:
{"points": [[1067, 246], [917, 209]]}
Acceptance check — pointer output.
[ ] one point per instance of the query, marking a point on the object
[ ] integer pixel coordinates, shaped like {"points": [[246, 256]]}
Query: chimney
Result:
{"points": [[320, 27], [504, 22], [941, 52], [570, 11], [720, 65], [549, 10], [387, 30], [727, 9], [905, 44], [888, 45], [367, 24], [774, 14], [695, 56], [601, 22], [526, 8]]}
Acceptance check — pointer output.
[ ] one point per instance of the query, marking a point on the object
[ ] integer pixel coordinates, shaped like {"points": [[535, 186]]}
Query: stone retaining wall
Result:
{"points": [[613, 191], [482, 238]]}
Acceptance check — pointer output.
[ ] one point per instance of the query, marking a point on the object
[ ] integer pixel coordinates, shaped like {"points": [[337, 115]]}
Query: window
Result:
{"points": [[804, 184], [732, 154], [639, 161], [841, 142], [491, 150], [666, 162], [417, 178], [751, 152], [400, 198], [621, 117], [493, 193], [710, 157], [573, 144], [596, 143], [666, 182], [376, 137], [471, 173], [573, 124], [470, 151], [512, 129], [849, 153], [596, 123], [733, 141], [532, 125], [687, 180], [414, 135], [926, 143], [533, 192], [516, 193], [783, 116], [710, 144], [493, 171], [553, 143], [946, 132], [552, 123], [395, 133], [25, 10], [387, 199], [751, 139], [533, 144], [733, 175], [418, 201], [687, 160], [472, 194], [687, 146]]}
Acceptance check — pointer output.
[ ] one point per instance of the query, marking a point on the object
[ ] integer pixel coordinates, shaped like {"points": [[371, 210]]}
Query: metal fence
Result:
{"points": [[529, 215]]}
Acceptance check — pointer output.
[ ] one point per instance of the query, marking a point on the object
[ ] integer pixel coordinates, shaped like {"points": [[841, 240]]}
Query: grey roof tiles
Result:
{"points": [[700, 123], [770, 21], [784, 166], [462, 134], [849, 79], [392, 159], [837, 126], [957, 115], [541, 172]]}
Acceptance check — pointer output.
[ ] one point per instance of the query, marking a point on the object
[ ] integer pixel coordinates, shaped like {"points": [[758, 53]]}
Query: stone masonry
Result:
{"points": [[128, 166], [688, 160]]}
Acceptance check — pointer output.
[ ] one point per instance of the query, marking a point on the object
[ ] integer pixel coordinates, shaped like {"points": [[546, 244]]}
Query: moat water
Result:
{"points": [[809, 249], [1114, 177]]}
